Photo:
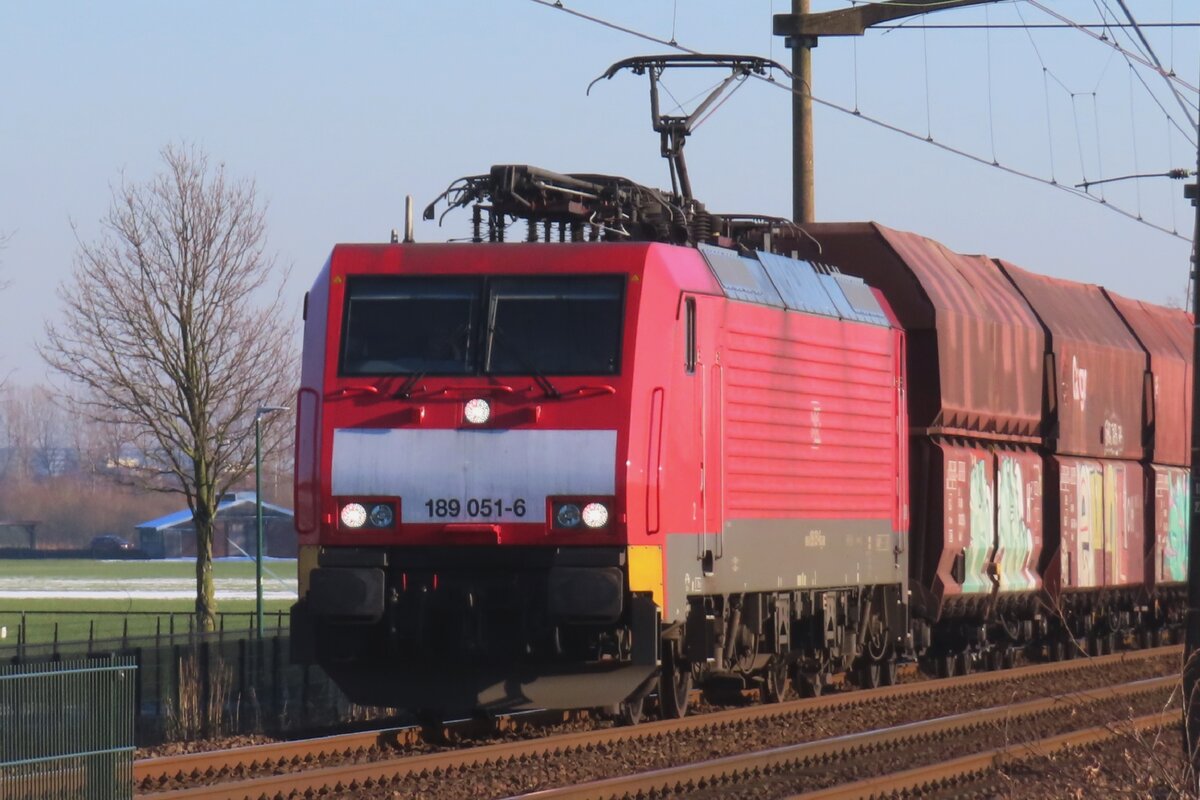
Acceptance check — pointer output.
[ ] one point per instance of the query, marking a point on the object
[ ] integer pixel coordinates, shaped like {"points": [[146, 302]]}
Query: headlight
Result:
{"points": [[595, 515], [354, 515], [477, 411], [567, 515], [381, 516]]}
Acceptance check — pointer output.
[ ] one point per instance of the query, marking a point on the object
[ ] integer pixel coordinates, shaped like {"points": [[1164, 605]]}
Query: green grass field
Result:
{"points": [[100, 598]]}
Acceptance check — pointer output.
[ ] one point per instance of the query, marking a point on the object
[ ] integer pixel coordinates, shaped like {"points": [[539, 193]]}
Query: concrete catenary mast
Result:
{"points": [[801, 31]]}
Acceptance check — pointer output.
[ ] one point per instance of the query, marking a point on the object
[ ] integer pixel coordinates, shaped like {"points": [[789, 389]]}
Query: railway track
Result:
{"points": [[364, 762], [829, 759]]}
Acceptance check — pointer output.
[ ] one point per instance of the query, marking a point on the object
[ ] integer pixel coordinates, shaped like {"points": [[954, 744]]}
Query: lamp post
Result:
{"points": [[258, 523]]}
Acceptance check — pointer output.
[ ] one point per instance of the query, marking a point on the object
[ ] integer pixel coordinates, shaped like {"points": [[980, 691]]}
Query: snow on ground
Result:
{"points": [[182, 588]]}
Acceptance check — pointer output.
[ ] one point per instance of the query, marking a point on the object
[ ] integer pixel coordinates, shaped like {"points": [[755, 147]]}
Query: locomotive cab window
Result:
{"points": [[408, 325], [554, 326]]}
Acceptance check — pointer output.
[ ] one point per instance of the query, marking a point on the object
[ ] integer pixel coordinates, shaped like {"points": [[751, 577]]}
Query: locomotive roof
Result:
{"points": [[782, 282]]}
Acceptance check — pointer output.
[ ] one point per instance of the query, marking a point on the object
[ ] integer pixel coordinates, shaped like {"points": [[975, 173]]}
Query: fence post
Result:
{"points": [[138, 692], [176, 684], [277, 680], [205, 676]]}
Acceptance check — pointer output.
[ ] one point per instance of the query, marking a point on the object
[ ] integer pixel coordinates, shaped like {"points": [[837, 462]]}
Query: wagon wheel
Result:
{"points": [[675, 685], [1008, 658], [776, 685], [1012, 627]]}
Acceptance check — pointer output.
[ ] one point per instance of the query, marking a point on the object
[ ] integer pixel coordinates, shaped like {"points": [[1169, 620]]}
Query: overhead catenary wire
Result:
{"points": [[928, 94], [991, 100], [1134, 138], [1099, 144], [1108, 42], [1012, 26], [1011, 170], [1157, 63]]}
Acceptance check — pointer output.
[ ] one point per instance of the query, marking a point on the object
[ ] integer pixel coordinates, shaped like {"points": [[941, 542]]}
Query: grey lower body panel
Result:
{"points": [[764, 555]]}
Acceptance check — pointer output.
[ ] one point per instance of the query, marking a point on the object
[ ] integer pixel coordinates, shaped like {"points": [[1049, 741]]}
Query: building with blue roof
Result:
{"points": [[174, 535]]}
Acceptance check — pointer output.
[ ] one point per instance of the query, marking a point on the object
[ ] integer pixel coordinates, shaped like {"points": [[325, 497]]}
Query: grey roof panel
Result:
{"points": [[741, 278], [799, 284], [855, 300]]}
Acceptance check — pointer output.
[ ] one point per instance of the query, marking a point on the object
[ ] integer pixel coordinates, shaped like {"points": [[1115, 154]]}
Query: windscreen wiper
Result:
{"points": [[495, 333], [409, 384]]}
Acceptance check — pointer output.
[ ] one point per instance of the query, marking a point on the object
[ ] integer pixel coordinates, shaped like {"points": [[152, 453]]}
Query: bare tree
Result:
{"points": [[170, 332]]}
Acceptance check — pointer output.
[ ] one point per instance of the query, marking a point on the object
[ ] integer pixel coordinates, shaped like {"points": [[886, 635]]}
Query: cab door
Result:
{"points": [[709, 421]]}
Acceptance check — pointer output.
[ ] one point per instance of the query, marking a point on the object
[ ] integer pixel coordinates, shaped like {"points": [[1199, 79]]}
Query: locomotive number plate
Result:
{"points": [[474, 508]]}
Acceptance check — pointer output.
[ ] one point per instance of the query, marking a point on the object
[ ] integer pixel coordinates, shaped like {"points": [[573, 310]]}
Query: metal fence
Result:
{"points": [[54, 633], [197, 686], [66, 729]]}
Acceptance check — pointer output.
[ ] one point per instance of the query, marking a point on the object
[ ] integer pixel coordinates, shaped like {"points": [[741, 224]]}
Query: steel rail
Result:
{"points": [[321, 778], [163, 768], [774, 759], [963, 768]]}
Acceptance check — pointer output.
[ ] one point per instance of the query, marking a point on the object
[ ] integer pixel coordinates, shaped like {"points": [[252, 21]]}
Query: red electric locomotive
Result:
{"points": [[554, 474]]}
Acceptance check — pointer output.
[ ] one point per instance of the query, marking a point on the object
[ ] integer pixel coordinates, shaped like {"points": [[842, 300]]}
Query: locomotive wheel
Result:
{"points": [[675, 686], [776, 684], [630, 712], [887, 671], [808, 684], [868, 675], [964, 663], [945, 666], [1056, 650]]}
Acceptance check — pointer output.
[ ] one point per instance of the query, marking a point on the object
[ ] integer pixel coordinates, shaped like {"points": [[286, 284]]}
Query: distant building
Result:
{"points": [[174, 536], [18, 534]]}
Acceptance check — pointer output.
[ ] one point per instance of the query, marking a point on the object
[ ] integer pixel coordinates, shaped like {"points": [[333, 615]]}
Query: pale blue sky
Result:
{"points": [[338, 110]]}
